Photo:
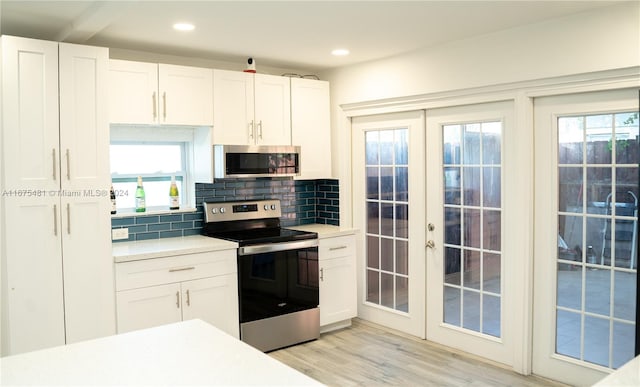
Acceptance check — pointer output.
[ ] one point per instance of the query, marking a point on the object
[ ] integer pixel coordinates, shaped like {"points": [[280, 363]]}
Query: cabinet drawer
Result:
{"points": [[157, 271], [337, 247]]}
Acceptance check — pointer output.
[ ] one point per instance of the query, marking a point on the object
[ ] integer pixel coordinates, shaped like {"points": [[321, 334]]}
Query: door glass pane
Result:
{"points": [[597, 237], [473, 226], [387, 171]]}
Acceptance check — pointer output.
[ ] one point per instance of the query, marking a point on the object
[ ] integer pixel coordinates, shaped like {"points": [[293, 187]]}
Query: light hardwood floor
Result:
{"points": [[368, 354]]}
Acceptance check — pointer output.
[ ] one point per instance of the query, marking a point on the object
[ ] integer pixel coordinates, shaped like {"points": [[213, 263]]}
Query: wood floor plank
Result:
{"points": [[368, 354]]}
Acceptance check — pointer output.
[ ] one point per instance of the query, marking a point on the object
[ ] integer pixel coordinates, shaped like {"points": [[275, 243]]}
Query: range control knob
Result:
{"points": [[214, 211], [273, 207], [266, 207], [222, 210]]}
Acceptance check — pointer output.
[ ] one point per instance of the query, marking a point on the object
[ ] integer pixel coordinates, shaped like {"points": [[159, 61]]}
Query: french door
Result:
{"points": [[471, 254], [586, 229], [388, 193], [430, 202]]}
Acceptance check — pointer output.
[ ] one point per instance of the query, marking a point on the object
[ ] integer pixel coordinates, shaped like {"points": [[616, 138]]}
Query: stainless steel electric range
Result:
{"points": [[277, 272]]}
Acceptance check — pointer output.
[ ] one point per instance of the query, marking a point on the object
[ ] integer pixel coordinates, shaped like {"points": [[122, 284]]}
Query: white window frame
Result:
{"points": [[153, 135]]}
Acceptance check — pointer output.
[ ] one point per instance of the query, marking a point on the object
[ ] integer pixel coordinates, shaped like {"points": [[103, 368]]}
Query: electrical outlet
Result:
{"points": [[119, 233]]}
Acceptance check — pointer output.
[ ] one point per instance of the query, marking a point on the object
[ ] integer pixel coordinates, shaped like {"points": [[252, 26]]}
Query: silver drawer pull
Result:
{"points": [[55, 162], [337, 248], [154, 106], [182, 269], [55, 220], [68, 165]]}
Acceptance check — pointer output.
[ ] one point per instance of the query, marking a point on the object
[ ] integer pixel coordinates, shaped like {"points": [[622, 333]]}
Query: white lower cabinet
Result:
{"points": [[338, 292], [148, 307], [170, 289]]}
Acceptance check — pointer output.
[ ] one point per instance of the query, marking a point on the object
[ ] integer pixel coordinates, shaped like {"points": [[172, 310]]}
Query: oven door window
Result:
{"points": [[263, 267]]}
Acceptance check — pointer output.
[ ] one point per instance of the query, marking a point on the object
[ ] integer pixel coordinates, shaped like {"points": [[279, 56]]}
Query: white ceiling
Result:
{"points": [[288, 34]]}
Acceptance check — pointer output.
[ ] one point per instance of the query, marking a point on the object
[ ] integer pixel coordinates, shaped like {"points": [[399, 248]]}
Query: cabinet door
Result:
{"points": [[30, 114], [86, 223], [272, 110], [148, 307], [214, 300], [233, 122], [133, 92], [186, 95], [32, 288], [338, 292], [33, 313], [311, 126]]}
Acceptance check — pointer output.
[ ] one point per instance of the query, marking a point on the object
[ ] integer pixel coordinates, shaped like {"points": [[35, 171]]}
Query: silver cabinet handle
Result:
{"points": [[178, 300], [251, 129], [164, 105], [68, 165], [260, 129], [55, 220], [188, 298], [322, 274], [154, 106], [68, 219], [182, 269], [337, 248], [55, 164]]}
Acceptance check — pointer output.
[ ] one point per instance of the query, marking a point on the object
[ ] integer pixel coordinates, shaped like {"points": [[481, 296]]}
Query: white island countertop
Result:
{"points": [[155, 248], [627, 375], [186, 353]]}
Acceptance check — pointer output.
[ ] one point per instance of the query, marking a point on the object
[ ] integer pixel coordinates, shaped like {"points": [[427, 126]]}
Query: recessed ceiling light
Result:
{"points": [[183, 26], [340, 52]]}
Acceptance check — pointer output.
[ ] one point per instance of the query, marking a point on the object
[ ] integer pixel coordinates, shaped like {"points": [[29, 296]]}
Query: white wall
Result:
{"points": [[604, 39]]}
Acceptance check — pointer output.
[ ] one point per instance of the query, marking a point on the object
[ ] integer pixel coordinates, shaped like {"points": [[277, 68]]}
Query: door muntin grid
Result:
{"points": [[598, 157], [472, 169], [387, 201]]}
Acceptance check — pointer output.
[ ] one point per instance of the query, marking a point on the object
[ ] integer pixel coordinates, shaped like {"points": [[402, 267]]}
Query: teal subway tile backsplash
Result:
{"points": [[302, 202]]}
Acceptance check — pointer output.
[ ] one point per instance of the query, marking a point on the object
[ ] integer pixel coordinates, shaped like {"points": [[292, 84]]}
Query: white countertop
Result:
{"points": [[164, 247], [186, 353], [325, 230], [155, 248], [627, 375]]}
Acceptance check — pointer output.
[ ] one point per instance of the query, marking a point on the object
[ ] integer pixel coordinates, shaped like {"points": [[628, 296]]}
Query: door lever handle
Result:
{"points": [[430, 244]]}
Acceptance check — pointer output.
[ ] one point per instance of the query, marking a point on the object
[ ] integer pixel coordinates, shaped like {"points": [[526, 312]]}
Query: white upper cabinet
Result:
{"points": [[251, 109], [311, 126], [233, 122], [273, 110], [30, 113], [133, 92], [185, 95], [55, 158], [149, 93]]}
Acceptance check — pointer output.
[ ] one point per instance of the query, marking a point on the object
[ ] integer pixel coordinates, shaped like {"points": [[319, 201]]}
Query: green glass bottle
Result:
{"points": [[140, 202], [174, 196]]}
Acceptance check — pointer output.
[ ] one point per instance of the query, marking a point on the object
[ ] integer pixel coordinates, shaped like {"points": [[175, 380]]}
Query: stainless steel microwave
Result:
{"points": [[241, 161]]}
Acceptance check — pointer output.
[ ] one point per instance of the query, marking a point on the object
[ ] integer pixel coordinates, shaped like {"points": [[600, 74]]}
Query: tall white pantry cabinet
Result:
{"points": [[57, 269]]}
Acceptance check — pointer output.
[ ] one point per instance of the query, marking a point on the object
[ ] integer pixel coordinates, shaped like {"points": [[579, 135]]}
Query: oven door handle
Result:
{"points": [[272, 247]]}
